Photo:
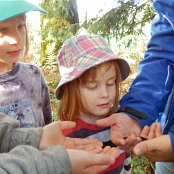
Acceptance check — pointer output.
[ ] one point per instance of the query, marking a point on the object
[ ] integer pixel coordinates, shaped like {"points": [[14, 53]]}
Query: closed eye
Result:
{"points": [[111, 81], [3, 29], [111, 84], [91, 85]]}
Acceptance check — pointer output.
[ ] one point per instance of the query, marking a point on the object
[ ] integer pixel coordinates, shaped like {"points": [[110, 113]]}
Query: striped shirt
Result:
{"points": [[86, 130]]}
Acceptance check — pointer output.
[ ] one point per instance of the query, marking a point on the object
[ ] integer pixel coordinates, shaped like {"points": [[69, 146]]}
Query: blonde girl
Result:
{"points": [[23, 91]]}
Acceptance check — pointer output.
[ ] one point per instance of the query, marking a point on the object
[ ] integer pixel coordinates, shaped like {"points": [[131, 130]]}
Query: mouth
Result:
{"points": [[14, 53], [104, 105]]}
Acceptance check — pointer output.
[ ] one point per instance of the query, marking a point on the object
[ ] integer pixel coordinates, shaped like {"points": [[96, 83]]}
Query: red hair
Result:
{"points": [[71, 105]]}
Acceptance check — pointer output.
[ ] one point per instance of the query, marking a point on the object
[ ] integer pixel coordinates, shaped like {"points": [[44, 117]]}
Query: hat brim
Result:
{"points": [[12, 8], [123, 65]]}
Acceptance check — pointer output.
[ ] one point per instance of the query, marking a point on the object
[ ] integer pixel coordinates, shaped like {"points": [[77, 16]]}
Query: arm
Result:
{"points": [[150, 89], [11, 135], [27, 160], [46, 103], [55, 160], [50, 135], [153, 84]]}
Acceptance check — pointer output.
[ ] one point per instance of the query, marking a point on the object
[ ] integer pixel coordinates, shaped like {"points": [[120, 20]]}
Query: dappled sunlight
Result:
{"points": [[7, 39]]}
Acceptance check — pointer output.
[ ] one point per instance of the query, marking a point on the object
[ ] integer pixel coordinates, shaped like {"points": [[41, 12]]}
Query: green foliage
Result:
{"points": [[60, 23], [141, 165], [128, 18]]}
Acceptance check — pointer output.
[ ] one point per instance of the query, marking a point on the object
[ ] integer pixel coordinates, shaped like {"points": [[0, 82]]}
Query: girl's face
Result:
{"points": [[99, 94], [12, 41]]}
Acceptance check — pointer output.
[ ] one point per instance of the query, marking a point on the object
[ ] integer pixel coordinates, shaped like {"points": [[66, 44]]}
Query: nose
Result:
{"points": [[104, 92], [15, 38]]}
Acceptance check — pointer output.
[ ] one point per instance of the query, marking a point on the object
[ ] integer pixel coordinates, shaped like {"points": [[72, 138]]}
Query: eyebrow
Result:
{"points": [[95, 81]]}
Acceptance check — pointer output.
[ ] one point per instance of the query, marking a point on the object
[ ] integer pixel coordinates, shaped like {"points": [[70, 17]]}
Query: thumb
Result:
{"points": [[145, 146], [109, 121], [67, 124]]}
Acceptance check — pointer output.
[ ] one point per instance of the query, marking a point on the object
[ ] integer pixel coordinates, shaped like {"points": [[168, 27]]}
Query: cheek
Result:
{"points": [[3, 41], [86, 97], [23, 35], [3, 50], [113, 93]]}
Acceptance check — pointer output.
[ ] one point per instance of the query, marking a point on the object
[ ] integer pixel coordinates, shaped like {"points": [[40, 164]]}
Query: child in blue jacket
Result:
{"points": [[151, 93]]}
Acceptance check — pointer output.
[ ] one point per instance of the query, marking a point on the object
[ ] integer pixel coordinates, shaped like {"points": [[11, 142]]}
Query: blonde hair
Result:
{"points": [[26, 46], [71, 105]]}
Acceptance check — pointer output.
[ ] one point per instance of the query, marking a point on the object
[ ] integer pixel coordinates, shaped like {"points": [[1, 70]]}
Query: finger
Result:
{"points": [[87, 141], [117, 137], [100, 168], [94, 163], [87, 147], [66, 124], [140, 148], [158, 131], [152, 131], [101, 162], [92, 147], [109, 121], [145, 132], [101, 159], [145, 146], [95, 150], [114, 151], [106, 149], [131, 141]]}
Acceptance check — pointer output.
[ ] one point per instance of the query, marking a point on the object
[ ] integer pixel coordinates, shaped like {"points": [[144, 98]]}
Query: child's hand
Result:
{"points": [[153, 131], [52, 135], [87, 162], [111, 152], [86, 144]]}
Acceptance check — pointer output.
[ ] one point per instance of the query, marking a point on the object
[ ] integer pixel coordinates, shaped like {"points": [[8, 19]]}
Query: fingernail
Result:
{"points": [[137, 151], [111, 160]]}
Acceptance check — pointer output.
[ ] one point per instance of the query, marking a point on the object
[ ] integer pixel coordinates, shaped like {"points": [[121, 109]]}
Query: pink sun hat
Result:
{"points": [[83, 52]]}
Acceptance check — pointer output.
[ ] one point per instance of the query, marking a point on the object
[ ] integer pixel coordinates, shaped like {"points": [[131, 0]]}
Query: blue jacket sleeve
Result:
{"points": [[172, 140], [150, 89]]}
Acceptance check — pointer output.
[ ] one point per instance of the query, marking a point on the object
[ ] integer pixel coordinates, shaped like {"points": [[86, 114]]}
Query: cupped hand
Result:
{"points": [[52, 135], [124, 130], [90, 162]]}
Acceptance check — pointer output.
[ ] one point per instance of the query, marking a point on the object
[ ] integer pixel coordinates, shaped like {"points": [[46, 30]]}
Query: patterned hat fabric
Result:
{"points": [[83, 52]]}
